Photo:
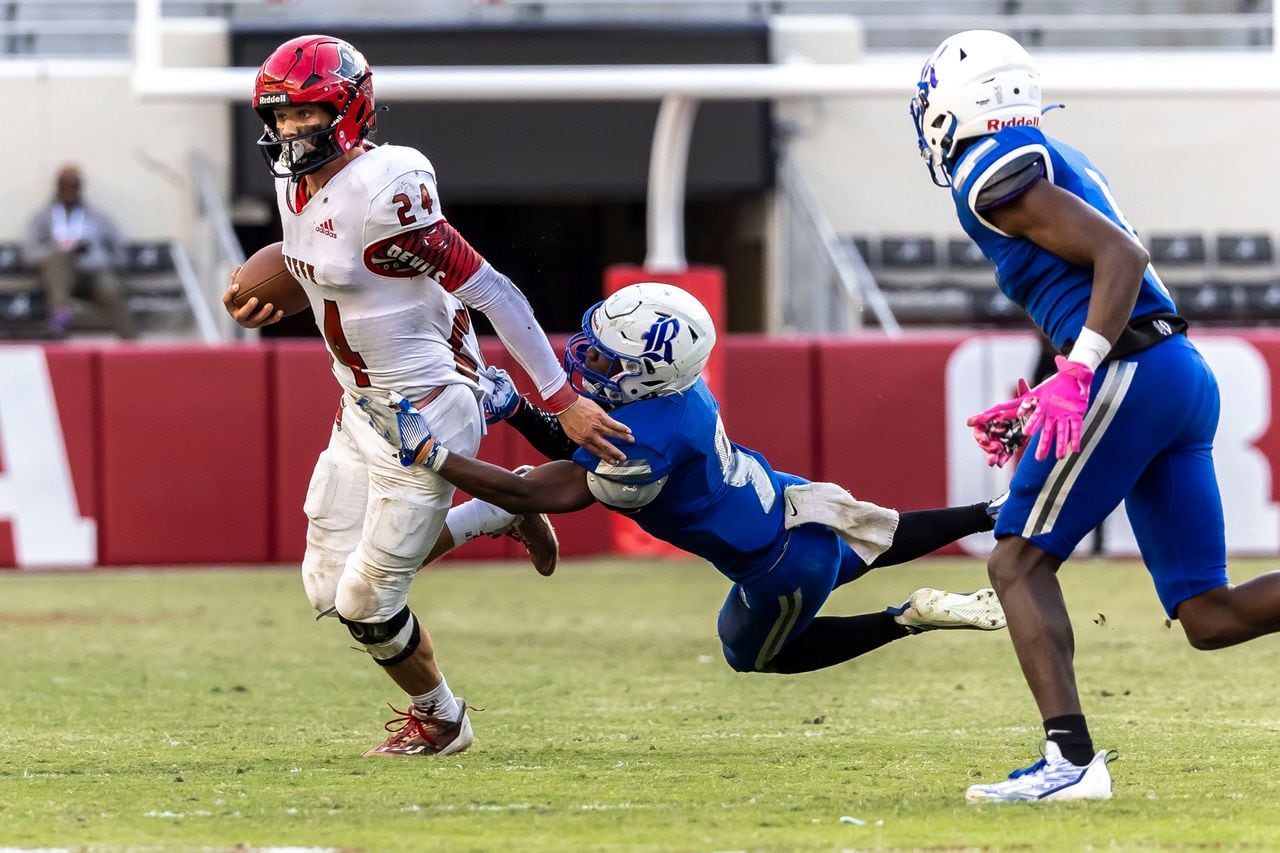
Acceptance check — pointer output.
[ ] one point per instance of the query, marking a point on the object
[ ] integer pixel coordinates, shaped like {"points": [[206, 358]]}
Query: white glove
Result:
{"points": [[404, 428]]}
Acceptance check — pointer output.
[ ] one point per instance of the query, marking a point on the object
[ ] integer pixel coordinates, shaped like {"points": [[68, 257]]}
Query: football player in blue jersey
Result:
{"points": [[1129, 415], [785, 542]]}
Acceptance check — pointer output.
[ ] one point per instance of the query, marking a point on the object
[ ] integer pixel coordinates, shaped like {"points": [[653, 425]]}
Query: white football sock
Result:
{"points": [[476, 518], [438, 703]]}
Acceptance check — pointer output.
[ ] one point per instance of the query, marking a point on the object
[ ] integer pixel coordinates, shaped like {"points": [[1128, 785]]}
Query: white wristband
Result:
{"points": [[435, 459], [1089, 349]]}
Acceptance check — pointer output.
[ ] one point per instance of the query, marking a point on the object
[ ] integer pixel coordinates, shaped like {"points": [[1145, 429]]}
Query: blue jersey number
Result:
{"points": [[742, 469]]}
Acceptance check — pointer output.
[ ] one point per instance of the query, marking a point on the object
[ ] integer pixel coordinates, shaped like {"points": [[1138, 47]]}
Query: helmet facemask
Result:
{"points": [[325, 73], [301, 154], [605, 388], [656, 337], [945, 123]]}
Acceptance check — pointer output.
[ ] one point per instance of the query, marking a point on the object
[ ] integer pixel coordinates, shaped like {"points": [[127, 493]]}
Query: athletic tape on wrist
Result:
{"points": [[1089, 349]]}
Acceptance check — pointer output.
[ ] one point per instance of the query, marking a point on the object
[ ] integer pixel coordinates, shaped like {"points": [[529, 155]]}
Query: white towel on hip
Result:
{"points": [[867, 528]]}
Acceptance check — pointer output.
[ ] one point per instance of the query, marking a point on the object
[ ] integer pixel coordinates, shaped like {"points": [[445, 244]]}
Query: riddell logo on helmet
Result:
{"points": [[1017, 121], [273, 98]]}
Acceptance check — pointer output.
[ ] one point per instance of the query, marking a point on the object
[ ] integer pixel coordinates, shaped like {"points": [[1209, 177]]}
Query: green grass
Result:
{"points": [[207, 709]]}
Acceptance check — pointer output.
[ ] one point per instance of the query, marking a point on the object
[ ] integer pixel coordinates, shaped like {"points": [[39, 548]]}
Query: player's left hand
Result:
{"points": [[501, 398], [1001, 430], [404, 428], [587, 425], [1061, 401]]}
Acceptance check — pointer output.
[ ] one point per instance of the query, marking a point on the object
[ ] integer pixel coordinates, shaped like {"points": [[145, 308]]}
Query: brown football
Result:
{"points": [[265, 276]]}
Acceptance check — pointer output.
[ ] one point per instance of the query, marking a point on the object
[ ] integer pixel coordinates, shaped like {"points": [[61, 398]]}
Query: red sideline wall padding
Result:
{"points": [[304, 402], [202, 455], [185, 456], [881, 420], [767, 403]]}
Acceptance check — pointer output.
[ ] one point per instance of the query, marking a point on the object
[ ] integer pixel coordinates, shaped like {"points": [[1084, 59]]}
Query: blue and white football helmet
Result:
{"points": [[974, 84], [657, 336]]}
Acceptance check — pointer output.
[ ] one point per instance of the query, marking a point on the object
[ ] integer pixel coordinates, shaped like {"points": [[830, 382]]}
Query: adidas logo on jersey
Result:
{"points": [[326, 228]]}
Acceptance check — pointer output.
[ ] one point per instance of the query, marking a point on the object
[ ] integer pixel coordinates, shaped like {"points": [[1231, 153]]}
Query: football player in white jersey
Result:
{"points": [[390, 282]]}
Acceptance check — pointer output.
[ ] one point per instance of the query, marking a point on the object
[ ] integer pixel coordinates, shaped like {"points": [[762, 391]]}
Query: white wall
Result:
{"points": [[134, 156], [1173, 163], [1202, 162]]}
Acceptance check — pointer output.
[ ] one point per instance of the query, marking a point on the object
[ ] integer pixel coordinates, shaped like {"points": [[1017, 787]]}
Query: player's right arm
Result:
{"points": [[555, 487], [1065, 225], [250, 315]]}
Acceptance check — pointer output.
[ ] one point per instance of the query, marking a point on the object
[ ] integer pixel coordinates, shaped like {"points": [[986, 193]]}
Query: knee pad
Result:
{"points": [[320, 572], [367, 594], [388, 642], [401, 533]]}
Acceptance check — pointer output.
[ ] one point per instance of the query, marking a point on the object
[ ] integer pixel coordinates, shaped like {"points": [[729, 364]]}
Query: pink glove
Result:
{"points": [[1000, 430], [1061, 401]]}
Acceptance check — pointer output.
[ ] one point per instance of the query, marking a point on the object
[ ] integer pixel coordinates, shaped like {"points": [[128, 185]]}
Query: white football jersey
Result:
{"points": [[393, 330]]}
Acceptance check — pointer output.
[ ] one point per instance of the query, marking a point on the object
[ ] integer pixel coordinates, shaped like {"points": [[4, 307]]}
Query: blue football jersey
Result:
{"points": [[721, 502], [1054, 292]]}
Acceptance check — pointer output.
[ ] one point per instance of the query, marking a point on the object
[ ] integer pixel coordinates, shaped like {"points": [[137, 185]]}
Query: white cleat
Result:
{"points": [[1050, 778], [933, 609]]}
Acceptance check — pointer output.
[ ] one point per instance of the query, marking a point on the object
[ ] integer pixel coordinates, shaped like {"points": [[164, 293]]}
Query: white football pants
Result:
{"points": [[370, 521]]}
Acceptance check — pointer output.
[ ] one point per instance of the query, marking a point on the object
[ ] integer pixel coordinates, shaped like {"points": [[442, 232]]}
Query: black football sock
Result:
{"points": [[925, 531], [1071, 733], [830, 640]]}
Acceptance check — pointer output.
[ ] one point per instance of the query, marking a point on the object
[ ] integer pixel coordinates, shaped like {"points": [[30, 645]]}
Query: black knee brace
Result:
{"points": [[388, 642]]}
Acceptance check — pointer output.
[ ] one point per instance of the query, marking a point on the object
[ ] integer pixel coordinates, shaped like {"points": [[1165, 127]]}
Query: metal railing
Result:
{"points": [[825, 283], [216, 251]]}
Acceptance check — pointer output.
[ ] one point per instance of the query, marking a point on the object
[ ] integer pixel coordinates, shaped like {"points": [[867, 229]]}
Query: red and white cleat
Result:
{"points": [[412, 734]]}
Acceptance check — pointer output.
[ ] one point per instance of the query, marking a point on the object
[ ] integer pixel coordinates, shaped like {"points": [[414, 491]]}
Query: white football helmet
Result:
{"points": [[975, 83], [657, 336]]}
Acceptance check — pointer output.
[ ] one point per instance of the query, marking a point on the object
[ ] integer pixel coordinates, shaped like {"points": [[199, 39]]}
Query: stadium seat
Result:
{"points": [[994, 307], [1210, 301], [154, 291], [1262, 301], [1245, 259], [967, 266], [22, 308], [1180, 259], [907, 261]]}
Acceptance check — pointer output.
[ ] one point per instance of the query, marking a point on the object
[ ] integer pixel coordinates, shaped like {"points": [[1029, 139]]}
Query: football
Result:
{"points": [[265, 276]]}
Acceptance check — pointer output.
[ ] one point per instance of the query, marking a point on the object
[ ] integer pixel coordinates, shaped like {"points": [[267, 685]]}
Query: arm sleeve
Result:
{"points": [[542, 431], [492, 293]]}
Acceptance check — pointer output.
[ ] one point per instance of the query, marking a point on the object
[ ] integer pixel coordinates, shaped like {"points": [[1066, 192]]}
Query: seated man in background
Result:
{"points": [[76, 250], [783, 541]]}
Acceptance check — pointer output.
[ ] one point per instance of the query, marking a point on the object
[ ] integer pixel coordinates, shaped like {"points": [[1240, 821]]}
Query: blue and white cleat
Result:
{"points": [[1050, 778]]}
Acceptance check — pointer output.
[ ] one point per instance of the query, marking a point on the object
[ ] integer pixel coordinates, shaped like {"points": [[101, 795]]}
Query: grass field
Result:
{"points": [[206, 709]]}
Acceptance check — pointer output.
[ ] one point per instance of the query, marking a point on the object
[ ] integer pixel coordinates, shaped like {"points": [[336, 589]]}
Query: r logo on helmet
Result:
{"points": [[659, 338]]}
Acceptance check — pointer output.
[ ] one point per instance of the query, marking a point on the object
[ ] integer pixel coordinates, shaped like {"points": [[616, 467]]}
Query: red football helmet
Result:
{"points": [[314, 70]]}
